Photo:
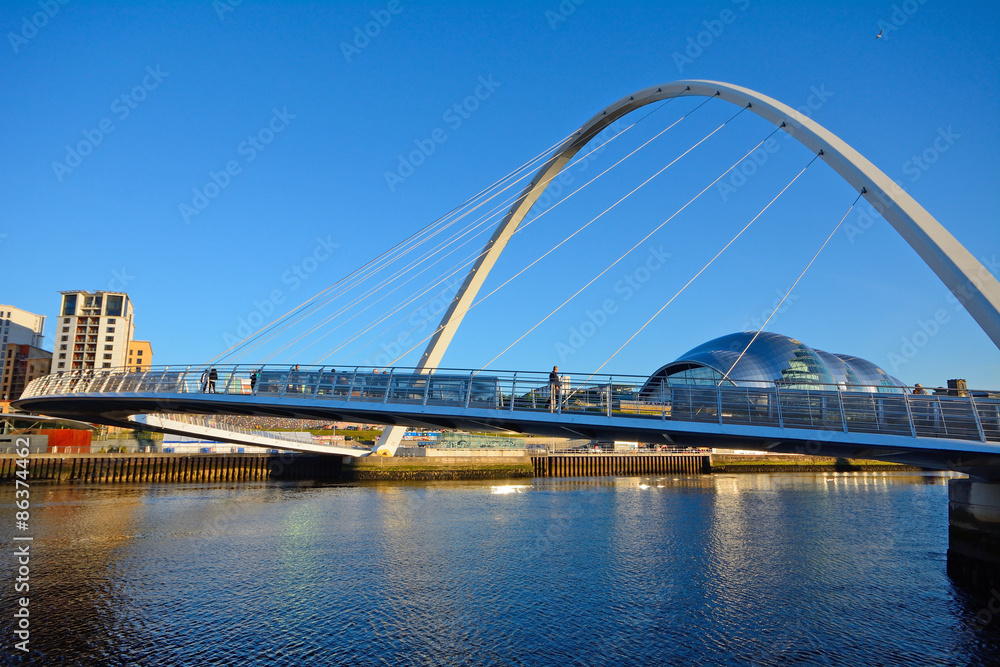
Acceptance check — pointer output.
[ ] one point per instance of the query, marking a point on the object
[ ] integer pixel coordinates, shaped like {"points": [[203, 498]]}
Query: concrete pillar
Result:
{"points": [[974, 532]]}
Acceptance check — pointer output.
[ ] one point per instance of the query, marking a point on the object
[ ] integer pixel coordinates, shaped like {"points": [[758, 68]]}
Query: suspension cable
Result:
{"points": [[475, 256], [522, 227], [777, 307], [702, 270], [277, 329], [709, 263], [485, 219], [643, 240], [608, 268], [227, 352]]}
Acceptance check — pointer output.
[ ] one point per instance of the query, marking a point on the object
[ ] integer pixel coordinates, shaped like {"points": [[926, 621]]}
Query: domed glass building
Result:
{"points": [[770, 360]]}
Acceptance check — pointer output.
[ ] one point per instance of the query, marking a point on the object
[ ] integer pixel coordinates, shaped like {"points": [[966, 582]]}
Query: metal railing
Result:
{"points": [[965, 415]]}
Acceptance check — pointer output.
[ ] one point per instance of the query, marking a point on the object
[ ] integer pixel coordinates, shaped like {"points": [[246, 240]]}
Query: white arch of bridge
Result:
{"points": [[973, 285]]}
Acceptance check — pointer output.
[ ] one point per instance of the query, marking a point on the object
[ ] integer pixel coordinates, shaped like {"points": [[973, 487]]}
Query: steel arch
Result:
{"points": [[973, 285]]}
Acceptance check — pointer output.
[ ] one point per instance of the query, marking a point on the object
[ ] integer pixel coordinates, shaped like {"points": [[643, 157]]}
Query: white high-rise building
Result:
{"points": [[93, 331], [21, 356], [20, 327]]}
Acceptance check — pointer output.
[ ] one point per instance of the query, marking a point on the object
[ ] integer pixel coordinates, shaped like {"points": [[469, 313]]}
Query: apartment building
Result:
{"points": [[140, 355], [93, 331], [22, 358]]}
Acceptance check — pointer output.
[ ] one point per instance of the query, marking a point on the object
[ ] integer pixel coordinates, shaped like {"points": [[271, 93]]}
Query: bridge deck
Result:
{"points": [[950, 431]]}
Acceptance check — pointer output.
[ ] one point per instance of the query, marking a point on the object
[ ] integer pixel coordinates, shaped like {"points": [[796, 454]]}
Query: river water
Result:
{"points": [[774, 569]]}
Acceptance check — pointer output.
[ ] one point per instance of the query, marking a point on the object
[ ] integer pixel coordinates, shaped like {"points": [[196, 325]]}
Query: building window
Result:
{"points": [[111, 329], [105, 365], [65, 338], [109, 338], [108, 347], [65, 329], [114, 308], [61, 364], [65, 320], [69, 304], [62, 347], [107, 356], [138, 353], [111, 320]]}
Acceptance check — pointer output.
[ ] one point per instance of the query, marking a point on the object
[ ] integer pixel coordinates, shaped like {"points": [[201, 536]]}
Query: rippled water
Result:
{"points": [[725, 569]]}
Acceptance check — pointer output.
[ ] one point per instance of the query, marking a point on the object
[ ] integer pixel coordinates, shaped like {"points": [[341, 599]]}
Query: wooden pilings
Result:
{"points": [[173, 468], [599, 465], [196, 468]]}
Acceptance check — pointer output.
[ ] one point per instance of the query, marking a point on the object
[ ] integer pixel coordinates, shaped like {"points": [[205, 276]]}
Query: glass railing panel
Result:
{"points": [[326, 383], [989, 417], [370, 387], [749, 406], [699, 404], [407, 389], [935, 417]]}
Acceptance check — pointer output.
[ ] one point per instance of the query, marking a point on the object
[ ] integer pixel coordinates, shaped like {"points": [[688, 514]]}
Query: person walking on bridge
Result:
{"points": [[555, 387]]}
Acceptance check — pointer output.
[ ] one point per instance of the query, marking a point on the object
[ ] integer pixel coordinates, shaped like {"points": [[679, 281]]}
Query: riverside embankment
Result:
{"points": [[109, 468]]}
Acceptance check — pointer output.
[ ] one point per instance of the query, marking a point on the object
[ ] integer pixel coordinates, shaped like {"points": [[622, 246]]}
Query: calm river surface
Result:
{"points": [[775, 569]]}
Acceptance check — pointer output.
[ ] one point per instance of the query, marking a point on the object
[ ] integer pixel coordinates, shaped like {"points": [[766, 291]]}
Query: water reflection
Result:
{"points": [[844, 568], [509, 488]]}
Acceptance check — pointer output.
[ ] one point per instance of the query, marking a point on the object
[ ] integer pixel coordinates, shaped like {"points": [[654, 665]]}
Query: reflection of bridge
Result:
{"points": [[948, 432]]}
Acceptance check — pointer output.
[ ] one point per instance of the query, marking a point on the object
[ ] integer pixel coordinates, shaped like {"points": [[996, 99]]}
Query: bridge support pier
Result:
{"points": [[974, 532]]}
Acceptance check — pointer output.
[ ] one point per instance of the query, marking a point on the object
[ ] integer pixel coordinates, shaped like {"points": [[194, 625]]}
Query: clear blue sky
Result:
{"points": [[173, 91]]}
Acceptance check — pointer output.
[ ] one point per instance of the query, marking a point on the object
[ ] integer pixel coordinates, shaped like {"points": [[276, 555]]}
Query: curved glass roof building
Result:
{"points": [[772, 359]]}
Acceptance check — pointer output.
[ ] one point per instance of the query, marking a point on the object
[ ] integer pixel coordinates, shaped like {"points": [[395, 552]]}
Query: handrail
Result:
{"points": [[973, 416], [244, 371]]}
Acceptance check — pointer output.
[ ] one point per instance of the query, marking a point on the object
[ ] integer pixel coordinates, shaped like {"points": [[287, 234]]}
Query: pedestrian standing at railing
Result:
{"points": [[253, 380], [923, 410], [213, 375], [204, 381], [555, 385]]}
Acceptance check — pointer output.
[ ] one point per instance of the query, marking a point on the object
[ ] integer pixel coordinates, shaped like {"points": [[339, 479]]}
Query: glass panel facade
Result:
{"points": [[871, 375], [770, 360], [69, 304]]}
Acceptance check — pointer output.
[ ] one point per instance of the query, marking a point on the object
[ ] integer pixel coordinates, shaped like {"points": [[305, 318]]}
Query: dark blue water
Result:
{"points": [[779, 569]]}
